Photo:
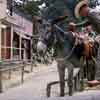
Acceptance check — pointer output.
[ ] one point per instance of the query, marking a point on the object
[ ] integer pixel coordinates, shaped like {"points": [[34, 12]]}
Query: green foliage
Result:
{"points": [[54, 8], [31, 7]]}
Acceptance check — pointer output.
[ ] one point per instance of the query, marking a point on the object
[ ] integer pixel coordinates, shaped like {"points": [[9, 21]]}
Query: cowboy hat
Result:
{"points": [[78, 6]]}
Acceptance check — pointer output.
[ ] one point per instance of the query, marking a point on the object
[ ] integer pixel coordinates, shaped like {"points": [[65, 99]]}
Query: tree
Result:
{"points": [[54, 8], [31, 7]]}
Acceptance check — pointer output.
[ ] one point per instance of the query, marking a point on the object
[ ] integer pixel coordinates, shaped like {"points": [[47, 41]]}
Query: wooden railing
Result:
{"points": [[9, 65]]}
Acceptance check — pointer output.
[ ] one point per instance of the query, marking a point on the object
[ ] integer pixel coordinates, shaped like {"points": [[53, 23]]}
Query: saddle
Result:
{"points": [[87, 48]]}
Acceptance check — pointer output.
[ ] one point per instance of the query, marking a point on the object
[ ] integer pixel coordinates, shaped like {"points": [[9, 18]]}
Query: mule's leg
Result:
{"points": [[91, 70], [61, 72], [81, 73], [70, 80], [82, 79]]}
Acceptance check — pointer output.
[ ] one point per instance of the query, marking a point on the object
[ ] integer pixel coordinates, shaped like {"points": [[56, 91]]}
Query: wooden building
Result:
{"points": [[15, 34]]}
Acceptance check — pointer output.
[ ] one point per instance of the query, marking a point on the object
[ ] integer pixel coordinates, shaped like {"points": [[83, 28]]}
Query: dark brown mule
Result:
{"points": [[63, 43]]}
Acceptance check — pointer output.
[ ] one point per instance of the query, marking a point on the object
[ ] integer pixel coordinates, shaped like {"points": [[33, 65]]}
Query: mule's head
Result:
{"points": [[45, 39]]}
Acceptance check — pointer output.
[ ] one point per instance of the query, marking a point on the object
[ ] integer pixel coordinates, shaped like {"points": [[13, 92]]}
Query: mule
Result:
{"points": [[66, 56]]}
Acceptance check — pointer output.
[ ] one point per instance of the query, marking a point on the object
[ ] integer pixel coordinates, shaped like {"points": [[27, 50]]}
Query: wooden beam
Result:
{"points": [[20, 42], [0, 40], [12, 32]]}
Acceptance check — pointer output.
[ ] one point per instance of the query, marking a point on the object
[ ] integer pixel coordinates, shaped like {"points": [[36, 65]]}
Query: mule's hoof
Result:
{"points": [[81, 89], [62, 95], [70, 94]]}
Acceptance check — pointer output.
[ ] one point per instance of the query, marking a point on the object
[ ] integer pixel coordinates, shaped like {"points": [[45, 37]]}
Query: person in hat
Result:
{"points": [[92, 14], [72, 28], [93, 17]]}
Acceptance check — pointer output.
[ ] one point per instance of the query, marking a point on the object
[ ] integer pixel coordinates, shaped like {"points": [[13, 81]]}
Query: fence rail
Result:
{"points": [[9, 65]]}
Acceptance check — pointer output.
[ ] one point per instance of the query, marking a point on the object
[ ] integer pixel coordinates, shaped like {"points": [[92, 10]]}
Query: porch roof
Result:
{"points": [[19, 29], [21, 34]]}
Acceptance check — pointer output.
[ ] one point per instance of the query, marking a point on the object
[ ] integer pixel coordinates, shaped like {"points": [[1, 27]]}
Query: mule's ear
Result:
{"points": [[59, 19]]}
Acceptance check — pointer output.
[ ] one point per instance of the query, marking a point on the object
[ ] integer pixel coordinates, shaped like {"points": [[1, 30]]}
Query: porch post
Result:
{"points": [[0, 40], [20, 42], [5, 43], [12, 33], [0, 59], [31, 48]]}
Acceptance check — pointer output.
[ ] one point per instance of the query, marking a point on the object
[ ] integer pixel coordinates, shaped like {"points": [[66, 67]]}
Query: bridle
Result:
{"points": [[61, 30]]}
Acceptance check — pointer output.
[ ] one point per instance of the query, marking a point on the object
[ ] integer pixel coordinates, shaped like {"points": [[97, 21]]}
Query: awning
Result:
{"points": [[21, 34]]}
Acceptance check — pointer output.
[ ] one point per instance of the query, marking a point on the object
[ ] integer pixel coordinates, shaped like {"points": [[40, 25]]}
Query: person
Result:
{"points": [[77, 35], [72, 29], [93, 16], [90, 31]]}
